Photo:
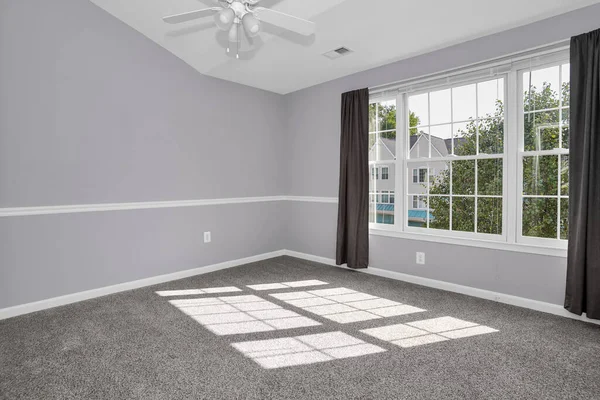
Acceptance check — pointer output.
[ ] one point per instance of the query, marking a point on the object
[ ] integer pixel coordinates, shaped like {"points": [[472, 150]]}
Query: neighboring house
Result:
{"points": [[383, 176]]}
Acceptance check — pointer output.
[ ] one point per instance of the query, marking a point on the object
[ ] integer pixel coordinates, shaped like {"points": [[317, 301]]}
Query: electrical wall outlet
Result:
{"points": [[207, 237], [421, 258]]}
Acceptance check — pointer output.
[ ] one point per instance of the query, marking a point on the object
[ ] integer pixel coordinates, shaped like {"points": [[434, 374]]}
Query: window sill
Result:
{"points": [[487, 244]]}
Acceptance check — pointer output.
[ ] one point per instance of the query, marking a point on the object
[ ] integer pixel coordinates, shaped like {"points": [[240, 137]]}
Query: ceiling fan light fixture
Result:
{"points": [[225, 18], [234, 36], [251, 25]]}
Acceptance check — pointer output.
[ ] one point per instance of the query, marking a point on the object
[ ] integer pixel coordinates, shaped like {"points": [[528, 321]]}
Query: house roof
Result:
{"points": [[390, 144], [457, 143], [443, 146]]}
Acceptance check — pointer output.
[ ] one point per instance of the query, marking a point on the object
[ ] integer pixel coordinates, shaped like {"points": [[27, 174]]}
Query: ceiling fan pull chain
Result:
{"points": [[238, 44]]}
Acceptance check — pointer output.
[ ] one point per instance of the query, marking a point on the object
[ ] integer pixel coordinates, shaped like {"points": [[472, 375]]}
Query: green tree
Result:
{"points": [[386, 115], [540, 173]]}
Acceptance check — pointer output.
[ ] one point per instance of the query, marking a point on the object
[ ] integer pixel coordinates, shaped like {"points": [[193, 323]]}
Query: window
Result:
{"points": [[460, 134], [472, 150], [385, 197], [385, 173], [420, 175], [382, 156], [544, 159], [374, 173], [419, 202]]}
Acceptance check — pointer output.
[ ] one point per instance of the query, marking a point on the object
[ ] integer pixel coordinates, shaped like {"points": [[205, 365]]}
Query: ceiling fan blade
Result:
{"points": [[192, 15], [285, 21]]}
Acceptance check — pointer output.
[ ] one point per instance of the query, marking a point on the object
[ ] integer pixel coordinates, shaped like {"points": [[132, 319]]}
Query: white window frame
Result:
{"points": [[511, 238], [520, 70], [379, 164], [407, 161]]}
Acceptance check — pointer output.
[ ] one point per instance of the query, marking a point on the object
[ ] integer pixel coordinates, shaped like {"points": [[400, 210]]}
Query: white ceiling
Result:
{"points": [[379, 31]]}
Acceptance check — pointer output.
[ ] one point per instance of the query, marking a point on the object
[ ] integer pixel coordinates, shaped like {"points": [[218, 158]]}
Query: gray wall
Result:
{"points": [[91, 111], [313, 132]]}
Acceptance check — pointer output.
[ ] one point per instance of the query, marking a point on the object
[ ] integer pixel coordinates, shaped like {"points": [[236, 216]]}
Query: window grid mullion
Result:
{"points": [[451, 200], [560, 146]]}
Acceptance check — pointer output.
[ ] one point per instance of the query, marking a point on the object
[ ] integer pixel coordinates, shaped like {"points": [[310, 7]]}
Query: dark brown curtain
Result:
{"points": [[353, 209], [583, 271]]}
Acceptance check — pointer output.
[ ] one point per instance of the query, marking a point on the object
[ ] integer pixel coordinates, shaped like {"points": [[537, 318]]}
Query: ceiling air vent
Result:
{"points": [[337, 53]]}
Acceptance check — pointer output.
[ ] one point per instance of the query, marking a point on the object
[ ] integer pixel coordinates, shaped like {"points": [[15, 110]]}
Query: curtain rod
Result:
{"points": [[490, 63]]}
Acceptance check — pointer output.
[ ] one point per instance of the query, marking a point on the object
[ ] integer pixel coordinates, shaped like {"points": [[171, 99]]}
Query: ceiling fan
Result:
{"points": [[235, 15]]}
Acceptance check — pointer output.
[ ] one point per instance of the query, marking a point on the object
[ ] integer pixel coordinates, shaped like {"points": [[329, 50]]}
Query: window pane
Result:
{"points": [[418, 202], [374, 173], [463, 177], [422, 175], [417, 216], [439, 212], [382, 146], [566, 86], [419, 109], [387, 115], [542, 90], [463, 214], [565, 128], [490, 99], [419, 144], [385, 196], [372, 185], [440, 107], [541, 130], [440, 178], [464, 103], [564, 218], [372, 117], [489, 215], [539, 217], [540, 175], [460, 135], [566, 137], [441, 145], [372, 149], [441, 132], [385, 173], [489, 177], [491, 136], [564, 181], [371, 213]]}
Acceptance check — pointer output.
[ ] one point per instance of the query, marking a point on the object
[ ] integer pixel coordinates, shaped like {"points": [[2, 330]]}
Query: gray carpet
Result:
{"points": [[136, 345]]}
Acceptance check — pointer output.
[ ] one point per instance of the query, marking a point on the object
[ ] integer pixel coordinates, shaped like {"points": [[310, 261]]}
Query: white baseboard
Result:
{"points": [[453, 287], [121, 287]]}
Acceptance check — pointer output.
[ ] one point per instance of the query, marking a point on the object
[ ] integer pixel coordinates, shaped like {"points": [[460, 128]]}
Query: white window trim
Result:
{"points": [[511, 239], [520, 238]]}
